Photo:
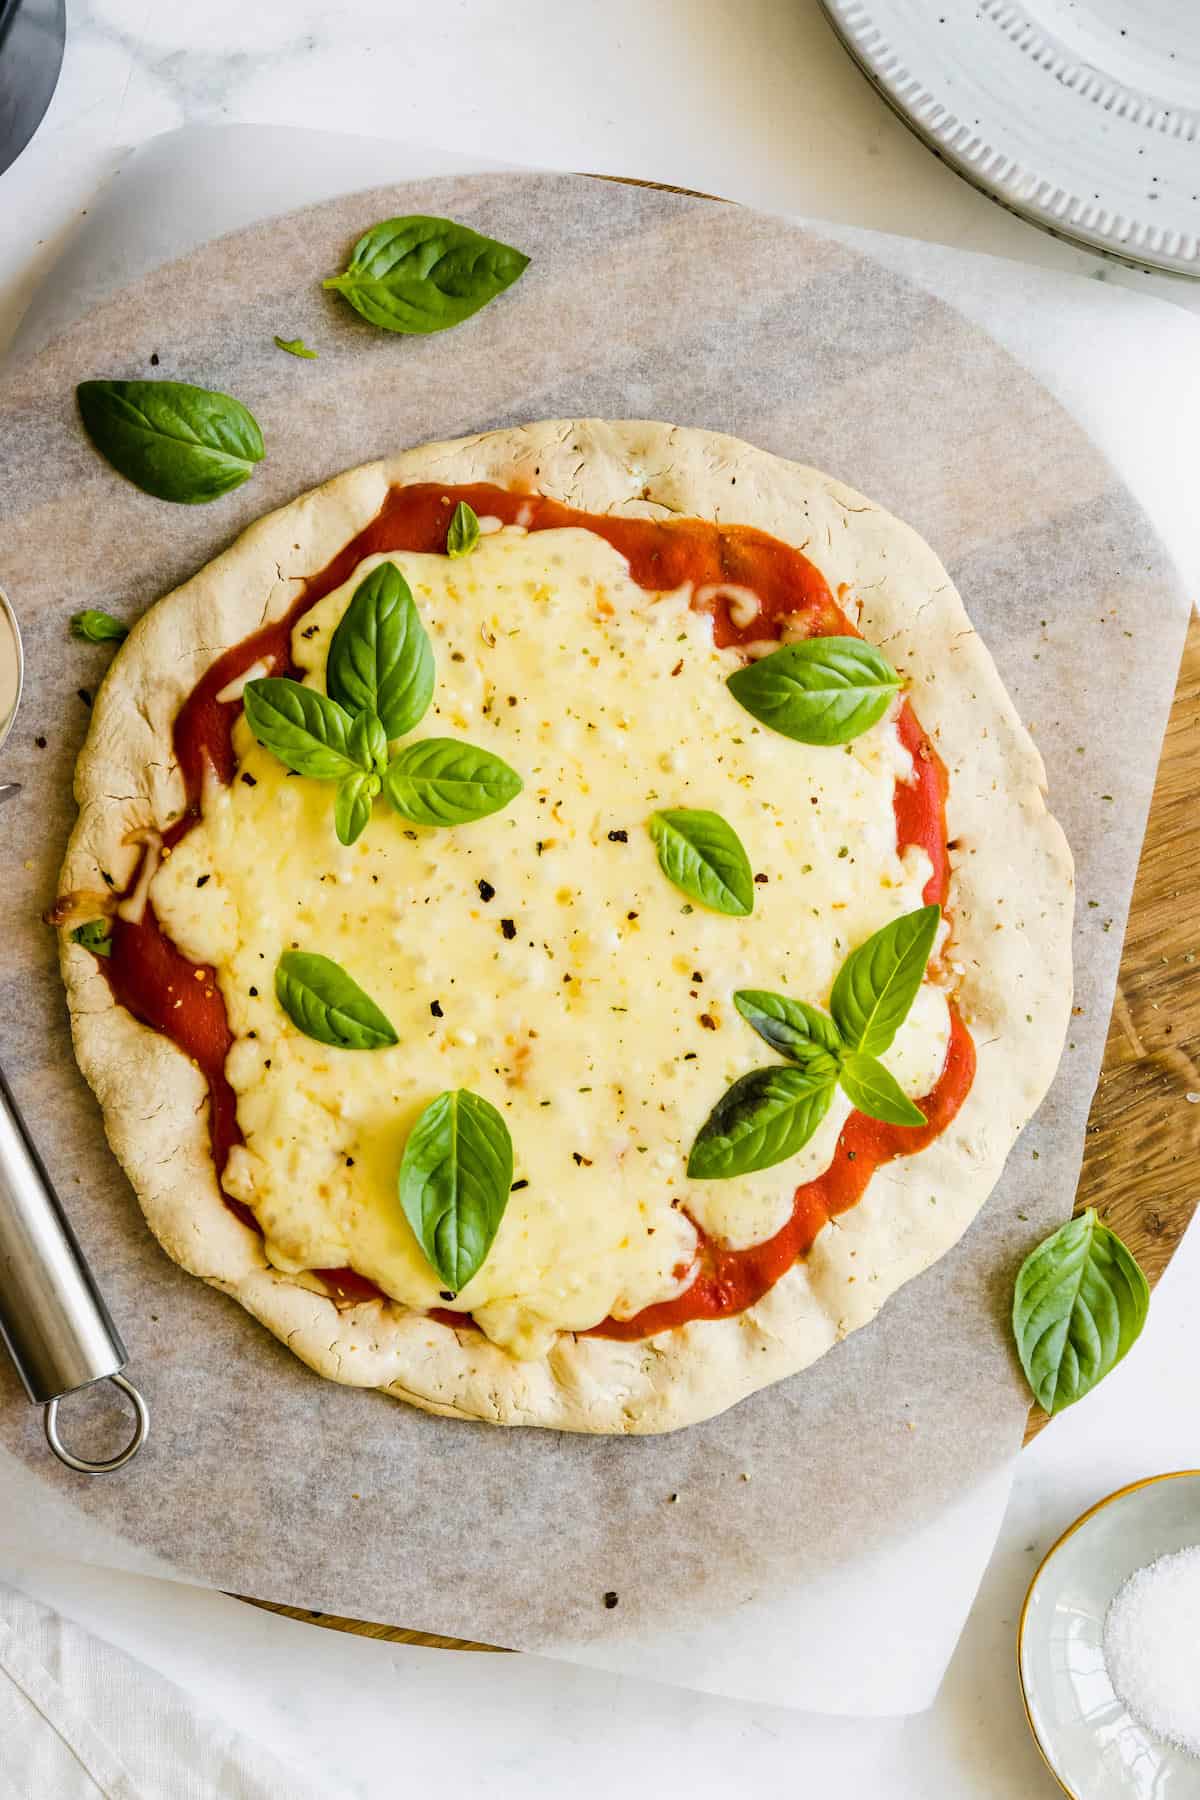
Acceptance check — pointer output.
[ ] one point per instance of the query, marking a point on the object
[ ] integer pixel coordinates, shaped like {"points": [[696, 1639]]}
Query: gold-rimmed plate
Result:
{"points": [[1091, 1743]]}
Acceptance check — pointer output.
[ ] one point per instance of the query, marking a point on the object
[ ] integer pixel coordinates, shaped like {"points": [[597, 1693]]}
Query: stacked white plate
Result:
{"points": [[1083, 116]]}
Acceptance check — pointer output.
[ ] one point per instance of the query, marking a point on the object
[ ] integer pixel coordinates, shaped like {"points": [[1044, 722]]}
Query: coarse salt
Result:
{"points": [[1152, 1647]]}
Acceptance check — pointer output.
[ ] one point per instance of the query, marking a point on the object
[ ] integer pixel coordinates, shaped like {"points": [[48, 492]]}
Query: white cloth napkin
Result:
{"points": [[80, 1720]]}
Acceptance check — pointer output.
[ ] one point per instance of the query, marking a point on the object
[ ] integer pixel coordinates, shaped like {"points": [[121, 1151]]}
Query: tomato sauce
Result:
{"points": [[159, 986]]}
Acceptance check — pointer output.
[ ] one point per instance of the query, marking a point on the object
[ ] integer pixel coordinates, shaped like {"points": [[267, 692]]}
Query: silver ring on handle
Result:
{"points": [[81, 1463]]}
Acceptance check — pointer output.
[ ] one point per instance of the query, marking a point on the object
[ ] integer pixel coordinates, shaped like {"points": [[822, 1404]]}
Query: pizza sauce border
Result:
{"points": [[181, 1000]]}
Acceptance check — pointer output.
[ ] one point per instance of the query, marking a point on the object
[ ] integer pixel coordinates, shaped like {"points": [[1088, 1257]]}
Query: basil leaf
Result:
{"points": [[824, 690], [305, 729], [324, 1003], [463, 534], [380, 657], [763, 1119], [455, 1178], [177, 442], [792, 1027], [96, 936], [96, 627], [440, 781], [352, 809], [295, 347], [421, 274], [367, 743], [878, 982], [1080, 1303], [874, 1090], [703, 857]]}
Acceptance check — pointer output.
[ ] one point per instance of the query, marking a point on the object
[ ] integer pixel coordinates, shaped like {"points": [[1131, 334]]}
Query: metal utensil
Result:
{"points": [[53, 1320], [33, 34]]}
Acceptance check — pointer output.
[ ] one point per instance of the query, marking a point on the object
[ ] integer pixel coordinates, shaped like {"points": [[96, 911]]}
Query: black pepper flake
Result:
{"points": [[486, 890], [254, 993], [851, 1155], [349, 1162], [509, 928], [445, 1294], [618, 837], [457, 656], [696, 975], [435, 1007], [84, 696], [249, 779], [689, 1056], [154, 359], [203, 880], [610, 1600], [631, 915], [708, 1022], [310, 631], [518, 1185], [761, 880], [40, 742], [512, 699]]}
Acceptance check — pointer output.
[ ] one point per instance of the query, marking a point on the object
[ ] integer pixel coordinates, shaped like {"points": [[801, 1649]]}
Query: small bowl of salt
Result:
{"points": [[1109, 1646]]}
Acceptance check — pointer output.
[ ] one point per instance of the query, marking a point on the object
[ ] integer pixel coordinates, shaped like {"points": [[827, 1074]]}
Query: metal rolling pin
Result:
{"points": [[52, 1318]]}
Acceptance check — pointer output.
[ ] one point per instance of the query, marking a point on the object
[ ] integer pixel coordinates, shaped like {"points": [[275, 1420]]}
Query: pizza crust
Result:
{"points": [[1012, 900]]}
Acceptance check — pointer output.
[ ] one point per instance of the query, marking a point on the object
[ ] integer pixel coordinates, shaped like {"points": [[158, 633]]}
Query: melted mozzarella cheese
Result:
{"points": [[600, 1020]]}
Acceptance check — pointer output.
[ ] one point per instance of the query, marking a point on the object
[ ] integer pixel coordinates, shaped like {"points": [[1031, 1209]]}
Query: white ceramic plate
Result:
{"points": [[1091, 1743], [1081, 115]]}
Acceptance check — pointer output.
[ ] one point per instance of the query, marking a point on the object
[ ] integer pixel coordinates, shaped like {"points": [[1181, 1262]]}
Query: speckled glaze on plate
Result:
{"points": [[1083, 116], [1091, 1743]]}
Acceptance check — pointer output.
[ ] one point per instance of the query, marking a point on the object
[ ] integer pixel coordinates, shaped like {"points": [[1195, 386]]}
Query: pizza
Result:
{"points": [[563, 924]]}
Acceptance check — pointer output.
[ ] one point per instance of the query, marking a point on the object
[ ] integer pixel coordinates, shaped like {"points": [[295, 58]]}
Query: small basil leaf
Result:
{"points": [[463, 534], [177, 442], [421, 274], [792, 1027], [874, 1090], [703, 857], [878, 982], [763, 1119], [440, 781], [1080, 1303], [824, 690], [455, 1178], [96, 936], [352, 809], [324, 1003], [367, 743], [380, 657], [295, 347], [305, 729], [96, 627]]}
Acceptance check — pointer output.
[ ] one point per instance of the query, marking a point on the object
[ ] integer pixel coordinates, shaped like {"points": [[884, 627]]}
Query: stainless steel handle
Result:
{"points": [[52, 1317]]}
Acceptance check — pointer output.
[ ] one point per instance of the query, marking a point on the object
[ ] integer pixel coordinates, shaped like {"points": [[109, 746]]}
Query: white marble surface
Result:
{"points": [[750, 98]]}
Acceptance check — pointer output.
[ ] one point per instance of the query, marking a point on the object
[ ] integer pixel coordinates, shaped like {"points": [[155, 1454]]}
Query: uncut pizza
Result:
{"points": [[563, 924]]}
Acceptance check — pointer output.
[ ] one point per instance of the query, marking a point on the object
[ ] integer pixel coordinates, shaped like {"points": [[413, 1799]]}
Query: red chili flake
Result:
{"points": [[678, 667]]}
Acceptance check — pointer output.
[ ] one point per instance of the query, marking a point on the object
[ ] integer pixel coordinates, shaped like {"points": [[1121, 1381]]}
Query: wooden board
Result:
{"points": [[1141, 1162]]}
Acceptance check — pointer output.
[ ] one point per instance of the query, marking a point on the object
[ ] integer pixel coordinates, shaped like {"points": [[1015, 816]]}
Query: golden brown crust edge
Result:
{"points": [[1012, 900]]}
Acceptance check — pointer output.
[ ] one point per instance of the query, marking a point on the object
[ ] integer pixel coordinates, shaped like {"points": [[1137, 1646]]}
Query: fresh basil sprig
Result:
{"points": [[295, 347], [1080, 1303], [878, 982], [770, 1114], [177, 442], [352, 806], [424, 274], [97, 627], [304, 728], [463, 533], [440, 781], [455, 1178], [95, 935], [325, 1003], [823, 690], [765, 1117], [703, 857], [380, 655]]}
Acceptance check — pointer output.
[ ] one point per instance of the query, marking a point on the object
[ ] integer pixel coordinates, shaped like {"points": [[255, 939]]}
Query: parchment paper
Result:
{"points": [[260, 1478]]}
